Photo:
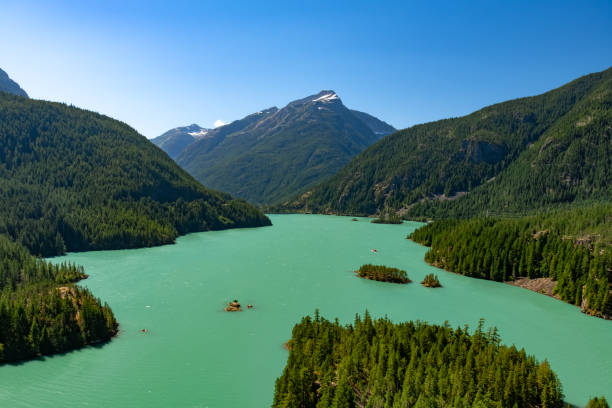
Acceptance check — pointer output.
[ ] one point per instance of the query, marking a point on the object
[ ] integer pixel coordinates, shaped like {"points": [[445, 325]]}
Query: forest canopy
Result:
{"points": [[377, 363], [41, 311], [572, 247], [510, 158], [74, 180]]}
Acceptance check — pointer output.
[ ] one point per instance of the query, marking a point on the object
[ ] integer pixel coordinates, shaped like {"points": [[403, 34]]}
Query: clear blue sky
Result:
{"points": [[161, 64]]}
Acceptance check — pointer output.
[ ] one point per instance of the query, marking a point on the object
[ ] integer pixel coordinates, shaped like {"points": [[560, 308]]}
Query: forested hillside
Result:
{"points": [[572, 247], [41, 312], [376, 363], [74, 180], [274, 154], [512, 157]]}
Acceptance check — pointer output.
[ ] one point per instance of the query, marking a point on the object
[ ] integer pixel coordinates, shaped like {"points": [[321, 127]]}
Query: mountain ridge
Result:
{"points": [[454, 167], [175, 140], [274, 153], [9, 86], [75, 180]]}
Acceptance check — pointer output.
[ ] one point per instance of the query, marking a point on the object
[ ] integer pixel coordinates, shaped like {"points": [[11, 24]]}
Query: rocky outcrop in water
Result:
{"points": [[233, 306]]}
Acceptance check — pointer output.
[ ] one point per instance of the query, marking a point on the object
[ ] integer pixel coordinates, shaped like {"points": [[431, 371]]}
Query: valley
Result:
{"points": [[169, 232]]}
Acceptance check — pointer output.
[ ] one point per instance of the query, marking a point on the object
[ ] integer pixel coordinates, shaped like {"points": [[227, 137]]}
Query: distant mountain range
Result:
{"points": [[512, 157], [274, 154], [9, 86]]}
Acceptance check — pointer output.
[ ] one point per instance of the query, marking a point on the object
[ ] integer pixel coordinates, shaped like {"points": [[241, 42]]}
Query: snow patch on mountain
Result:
{"points": [[201, 133], [326, 98]]}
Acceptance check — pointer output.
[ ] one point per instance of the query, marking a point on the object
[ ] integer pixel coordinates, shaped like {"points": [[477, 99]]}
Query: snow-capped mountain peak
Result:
{"points": [[326, 97]]}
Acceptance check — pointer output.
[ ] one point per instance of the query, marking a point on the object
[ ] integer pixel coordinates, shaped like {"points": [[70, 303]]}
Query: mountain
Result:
{"points": [[176, 140], [512, 157], [376, 125], [9, 86], [74, 180], [276, 153]]}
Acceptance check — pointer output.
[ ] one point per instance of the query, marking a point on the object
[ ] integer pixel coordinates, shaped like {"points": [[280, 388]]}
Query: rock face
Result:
{"points": [[9, 86], [478, 151], [544, 286]]}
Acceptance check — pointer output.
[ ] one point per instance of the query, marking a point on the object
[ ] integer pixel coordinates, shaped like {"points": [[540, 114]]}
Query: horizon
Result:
{"points": [[158, 67]]}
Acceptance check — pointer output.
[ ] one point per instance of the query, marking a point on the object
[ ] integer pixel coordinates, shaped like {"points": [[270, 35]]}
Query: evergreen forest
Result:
{"points": [[74, 180], [41, 311], [514, 157], [572, 247], [376, 363]]}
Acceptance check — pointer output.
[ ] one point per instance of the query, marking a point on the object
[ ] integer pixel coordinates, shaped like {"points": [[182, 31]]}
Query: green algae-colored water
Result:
{"points": [[196, 355]]}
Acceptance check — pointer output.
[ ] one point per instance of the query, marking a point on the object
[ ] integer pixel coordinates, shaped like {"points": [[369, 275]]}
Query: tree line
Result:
{"points": [[376, 363], [41, 311], [572, 247]]}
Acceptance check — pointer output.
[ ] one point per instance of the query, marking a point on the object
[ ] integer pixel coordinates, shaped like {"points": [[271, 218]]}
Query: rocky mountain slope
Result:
{"points": [[276, 153]]}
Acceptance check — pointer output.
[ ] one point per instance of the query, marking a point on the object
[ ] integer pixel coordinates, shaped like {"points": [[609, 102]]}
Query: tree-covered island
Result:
{"points": [[382, 273], [377, 363], [431, 281]]}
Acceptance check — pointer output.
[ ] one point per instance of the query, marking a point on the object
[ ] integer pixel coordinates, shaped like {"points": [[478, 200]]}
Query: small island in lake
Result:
{"points": [[431, 281], [388, 219], [382, 273], [233, 306]]}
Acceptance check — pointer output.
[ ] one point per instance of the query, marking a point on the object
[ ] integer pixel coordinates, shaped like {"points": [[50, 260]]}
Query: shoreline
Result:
{"points": [[541, 286]]}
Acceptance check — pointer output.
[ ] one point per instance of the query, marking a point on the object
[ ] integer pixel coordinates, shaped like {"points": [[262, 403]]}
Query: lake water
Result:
{"points": [[196, 355]]}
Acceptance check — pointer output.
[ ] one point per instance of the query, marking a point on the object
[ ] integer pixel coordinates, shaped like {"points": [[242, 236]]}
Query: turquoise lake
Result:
{"points": [[196, 355]]}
